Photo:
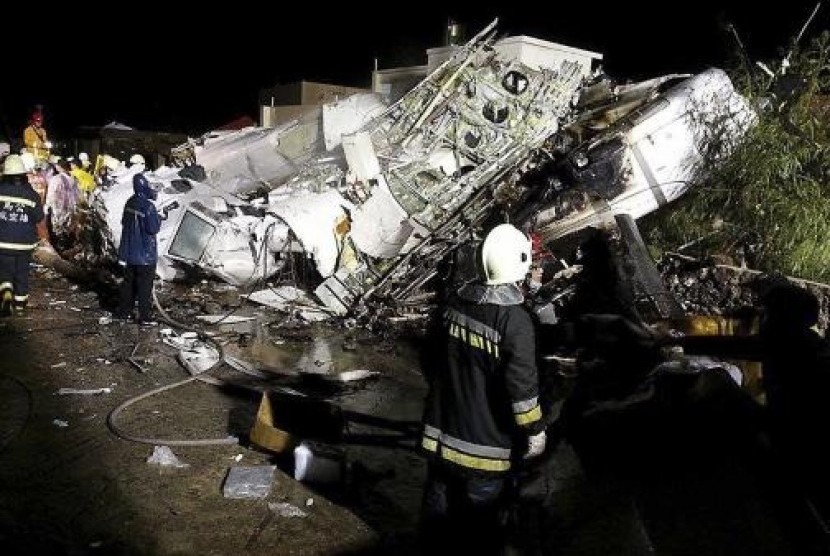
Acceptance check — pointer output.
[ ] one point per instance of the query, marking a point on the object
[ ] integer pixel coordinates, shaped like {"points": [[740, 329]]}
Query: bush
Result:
{"points": [[768, 204]]}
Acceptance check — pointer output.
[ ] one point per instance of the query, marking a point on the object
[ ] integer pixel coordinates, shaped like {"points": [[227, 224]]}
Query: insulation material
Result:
{"points": [[361, 157], [380, 226]]}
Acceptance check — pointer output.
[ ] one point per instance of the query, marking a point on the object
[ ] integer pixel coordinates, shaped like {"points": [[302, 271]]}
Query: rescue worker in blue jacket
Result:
{"points": [[482, 411], [137, 253], [20, 212]]}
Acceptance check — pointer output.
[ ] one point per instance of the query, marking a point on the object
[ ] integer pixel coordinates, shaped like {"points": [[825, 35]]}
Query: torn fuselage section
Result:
{"points": [[645, 159], [441, 154]]}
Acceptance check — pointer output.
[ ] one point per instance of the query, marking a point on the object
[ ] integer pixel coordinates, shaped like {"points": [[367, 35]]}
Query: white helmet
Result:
{"points": [[83, 157], [28, 160], [505, 255], [13, 165], [137, 159]]}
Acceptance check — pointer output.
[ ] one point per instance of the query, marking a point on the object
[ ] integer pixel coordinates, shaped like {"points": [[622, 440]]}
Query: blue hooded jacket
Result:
{"points": [[139, 225]]}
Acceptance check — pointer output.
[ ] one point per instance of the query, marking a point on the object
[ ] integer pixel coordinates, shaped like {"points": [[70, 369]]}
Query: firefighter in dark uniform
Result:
{"points": [[482, 411], [20, 212], [138, 251]]}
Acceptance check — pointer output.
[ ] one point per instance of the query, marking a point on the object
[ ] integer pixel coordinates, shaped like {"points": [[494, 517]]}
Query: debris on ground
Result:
{"points": [[163, 456], [249, 481]]}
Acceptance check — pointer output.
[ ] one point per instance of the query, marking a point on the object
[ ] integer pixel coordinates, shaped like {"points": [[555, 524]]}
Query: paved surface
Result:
{"points": [[69, 486]]}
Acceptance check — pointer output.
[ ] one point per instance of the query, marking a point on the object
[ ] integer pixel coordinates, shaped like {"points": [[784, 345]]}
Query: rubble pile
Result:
{"points": [[376, 198], [703, 288]]}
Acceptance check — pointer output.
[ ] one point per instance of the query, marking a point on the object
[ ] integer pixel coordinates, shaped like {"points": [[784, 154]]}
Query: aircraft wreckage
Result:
{"points": [[377, 196]]}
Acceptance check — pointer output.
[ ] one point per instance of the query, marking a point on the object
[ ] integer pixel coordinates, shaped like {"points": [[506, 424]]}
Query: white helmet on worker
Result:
{"points": [[137, 159], [13, 165], [505, 255], [28, 160]]}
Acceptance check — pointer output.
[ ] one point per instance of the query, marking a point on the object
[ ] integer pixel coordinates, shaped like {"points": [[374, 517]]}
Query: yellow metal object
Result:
{"points": [[713, 325], [266, 434]]}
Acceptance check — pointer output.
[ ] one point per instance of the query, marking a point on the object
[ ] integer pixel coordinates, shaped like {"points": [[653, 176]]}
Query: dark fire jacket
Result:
{"points": [[483, 381]]}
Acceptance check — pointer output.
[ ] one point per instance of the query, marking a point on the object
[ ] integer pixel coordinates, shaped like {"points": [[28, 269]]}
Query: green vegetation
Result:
{"points": [[768, 204]]}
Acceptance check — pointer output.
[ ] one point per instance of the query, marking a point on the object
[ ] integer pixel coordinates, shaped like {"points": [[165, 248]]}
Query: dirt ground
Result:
{"points": [[70, 485]]}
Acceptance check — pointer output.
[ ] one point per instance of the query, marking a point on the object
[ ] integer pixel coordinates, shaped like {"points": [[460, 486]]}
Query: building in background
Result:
{"points": [[282, 103], [535, 53]]}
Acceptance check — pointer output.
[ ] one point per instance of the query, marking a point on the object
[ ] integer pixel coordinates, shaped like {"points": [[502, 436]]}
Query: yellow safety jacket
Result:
{"points": [[35, 139], [85, 180]]}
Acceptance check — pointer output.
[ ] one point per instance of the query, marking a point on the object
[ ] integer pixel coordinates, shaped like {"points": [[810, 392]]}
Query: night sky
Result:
{"points": [[193, 72]]}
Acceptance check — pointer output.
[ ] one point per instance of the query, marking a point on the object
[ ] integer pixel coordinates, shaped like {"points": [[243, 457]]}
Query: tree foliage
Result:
{"points": [[768, 204]]}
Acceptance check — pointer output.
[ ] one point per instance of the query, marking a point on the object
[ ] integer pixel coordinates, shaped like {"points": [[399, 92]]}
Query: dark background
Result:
{"points": [[169, 67]]}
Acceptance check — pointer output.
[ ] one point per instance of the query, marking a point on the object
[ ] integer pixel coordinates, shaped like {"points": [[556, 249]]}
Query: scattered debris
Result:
{"points": [[199, 358], [223, 319], [351, 376], [60, 424], [315, 463], [376, 197], [284, 509], [249, 482], [92, 391], [164, 456]]}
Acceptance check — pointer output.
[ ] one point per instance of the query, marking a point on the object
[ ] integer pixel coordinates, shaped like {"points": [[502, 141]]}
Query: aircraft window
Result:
{"points": [[514, 82], [495, 114], [470, 88], [472, 139], [425, 180]]}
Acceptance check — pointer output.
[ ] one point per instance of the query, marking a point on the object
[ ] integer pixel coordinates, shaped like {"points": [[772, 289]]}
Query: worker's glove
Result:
{"points": [[536, 445]]}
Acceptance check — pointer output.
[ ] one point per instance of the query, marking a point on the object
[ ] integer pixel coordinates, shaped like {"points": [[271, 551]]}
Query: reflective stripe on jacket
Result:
{"points": [[20, 212]]}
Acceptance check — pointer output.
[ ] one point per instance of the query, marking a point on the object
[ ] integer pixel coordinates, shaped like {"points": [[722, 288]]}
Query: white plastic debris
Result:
{"points": [[224, 319], [59, 365], [315, 464], [59, 423], [185, 340], [249, 482], [164, 456], [309, 502], [357, 374], [105, 320], [284, 509], [289, 298], [199, 359], [237, 458], [88, 392]]}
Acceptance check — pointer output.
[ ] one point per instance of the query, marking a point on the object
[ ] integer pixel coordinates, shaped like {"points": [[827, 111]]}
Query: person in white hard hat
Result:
{"points": [[482, 412], [85, 163], [138, 163], [20, 213]]}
